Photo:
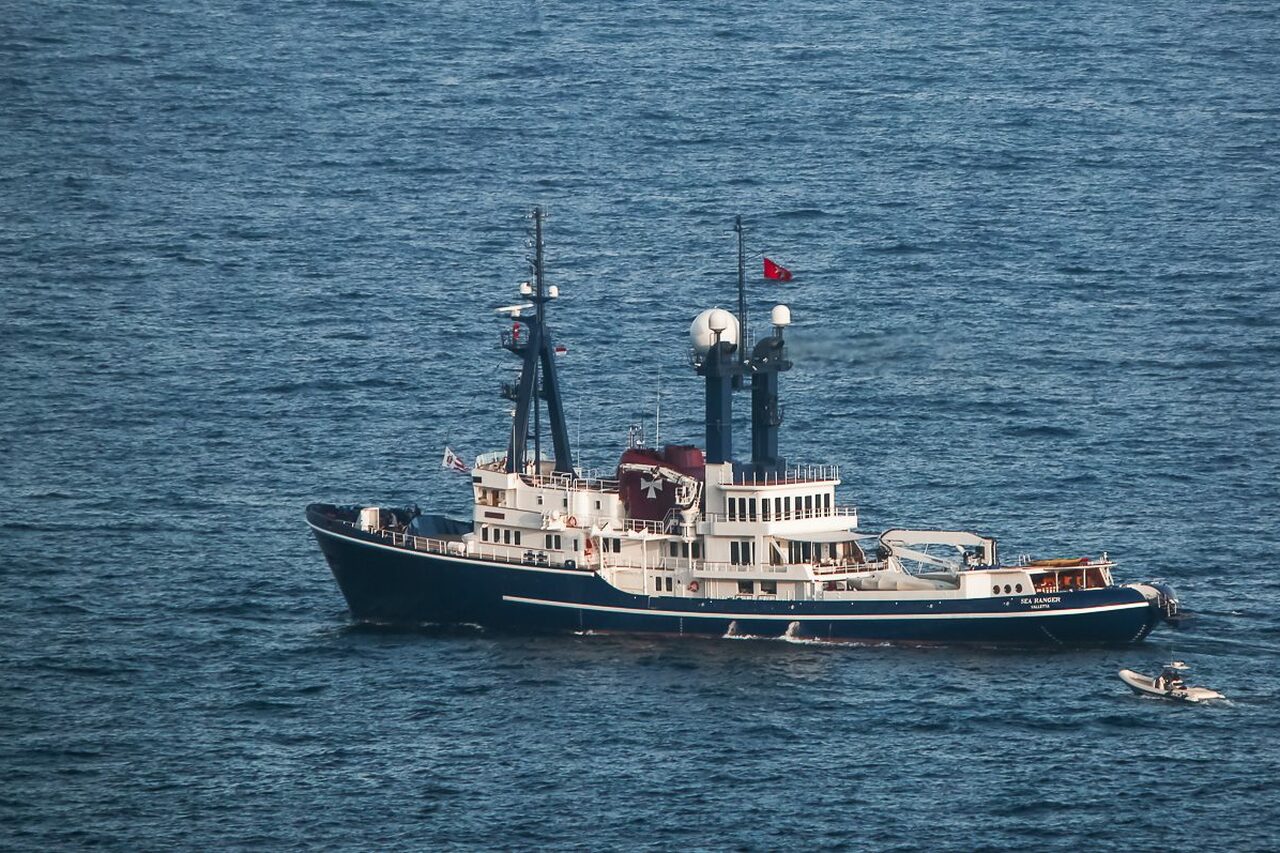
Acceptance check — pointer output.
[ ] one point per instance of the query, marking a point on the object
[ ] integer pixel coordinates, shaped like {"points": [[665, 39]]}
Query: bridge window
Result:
{"points": [[751, 509], [788, 506], [808, 506], [484, 533], [764, 509], [826, 504]]}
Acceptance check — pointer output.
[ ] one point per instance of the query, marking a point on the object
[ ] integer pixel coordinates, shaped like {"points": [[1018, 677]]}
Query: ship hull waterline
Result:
{"points": [[388, 584]]}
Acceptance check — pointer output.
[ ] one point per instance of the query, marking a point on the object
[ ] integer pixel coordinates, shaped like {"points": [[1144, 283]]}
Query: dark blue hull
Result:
{"points": [[386, 583]]}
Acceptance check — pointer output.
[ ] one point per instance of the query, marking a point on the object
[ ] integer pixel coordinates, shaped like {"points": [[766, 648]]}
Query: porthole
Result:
{"points": [[1006, 589], [1018, 588], [995, 590]]}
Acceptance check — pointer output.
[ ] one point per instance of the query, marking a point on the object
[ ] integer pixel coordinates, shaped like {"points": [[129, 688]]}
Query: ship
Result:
{"points": [[679, 539]]}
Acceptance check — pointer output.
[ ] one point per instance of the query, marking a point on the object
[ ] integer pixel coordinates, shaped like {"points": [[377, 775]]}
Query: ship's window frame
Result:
{"points": [[697, 550], [734, 552], [539, 500], [764, 509], [669, 583], [768, 587], [826, 503], [657, 584], [617, 546], [788, 506], [673, 549], [484, 533], [751, 509], [746, 588], [597, 504], [517, 537], [506, 536], [777, 507]]}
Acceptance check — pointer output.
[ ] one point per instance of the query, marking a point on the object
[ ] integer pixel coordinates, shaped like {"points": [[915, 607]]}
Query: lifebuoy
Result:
{"points": [[571, 521], [591, 547], [693, 586]]}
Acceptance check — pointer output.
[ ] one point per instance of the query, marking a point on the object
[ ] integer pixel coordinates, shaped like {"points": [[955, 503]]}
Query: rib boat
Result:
{"points": [[687, 540]]}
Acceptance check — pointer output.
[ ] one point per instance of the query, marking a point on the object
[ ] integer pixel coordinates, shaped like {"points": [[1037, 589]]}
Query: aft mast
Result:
{"points": [[537, 354]]}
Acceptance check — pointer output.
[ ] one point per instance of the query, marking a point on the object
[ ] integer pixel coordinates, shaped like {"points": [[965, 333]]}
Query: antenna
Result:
{"points": [[657, 420]]}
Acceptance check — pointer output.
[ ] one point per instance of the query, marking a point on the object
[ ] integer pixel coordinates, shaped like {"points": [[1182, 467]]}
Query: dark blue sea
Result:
{"points": [[249, 256]]}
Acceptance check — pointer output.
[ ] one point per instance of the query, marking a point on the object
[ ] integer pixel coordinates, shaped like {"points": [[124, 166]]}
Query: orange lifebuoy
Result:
{"points": [[693, 586], [571, 521]]}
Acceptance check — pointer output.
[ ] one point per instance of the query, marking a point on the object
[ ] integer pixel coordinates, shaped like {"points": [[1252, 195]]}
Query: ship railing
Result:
{"points": [[496, 458], [796, 474], [642, 525], [845, 568], [571, 482], [476, 551], [794, 515]]}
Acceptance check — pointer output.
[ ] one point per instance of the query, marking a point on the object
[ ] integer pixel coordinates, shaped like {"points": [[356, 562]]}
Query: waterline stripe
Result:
{"points": [[832, 617]]}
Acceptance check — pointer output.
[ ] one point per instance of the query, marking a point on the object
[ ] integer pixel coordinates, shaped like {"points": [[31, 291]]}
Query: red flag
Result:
{"points": [[776, 272]]}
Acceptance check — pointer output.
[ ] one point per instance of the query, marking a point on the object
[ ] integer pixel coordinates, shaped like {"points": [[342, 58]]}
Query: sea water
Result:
{"points": [[249, 257]]}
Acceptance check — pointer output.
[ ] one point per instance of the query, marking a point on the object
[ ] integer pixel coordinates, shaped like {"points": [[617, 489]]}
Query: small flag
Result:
{"points": [[561, 349], [776, 272], [454, 462]]}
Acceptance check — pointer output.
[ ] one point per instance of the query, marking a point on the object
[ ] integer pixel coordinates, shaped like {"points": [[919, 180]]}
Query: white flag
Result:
{"points": [[454, 461]]}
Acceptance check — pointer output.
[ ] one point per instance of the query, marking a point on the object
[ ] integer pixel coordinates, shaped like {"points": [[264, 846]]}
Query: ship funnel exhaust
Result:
{"points": [[714, 335], [768, 359]]}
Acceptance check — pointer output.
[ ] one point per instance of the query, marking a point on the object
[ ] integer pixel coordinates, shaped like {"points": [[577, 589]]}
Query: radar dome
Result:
{"points": [[780, 316], [705, 325]]}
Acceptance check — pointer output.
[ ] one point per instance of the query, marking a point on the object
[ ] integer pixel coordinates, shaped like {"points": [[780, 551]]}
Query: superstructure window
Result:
{"points": [[764, 509], [751, 509], [517, 537], [697, 550], [826, 503], [746, 588], [484, 533], [768, 587], [506, 536]]}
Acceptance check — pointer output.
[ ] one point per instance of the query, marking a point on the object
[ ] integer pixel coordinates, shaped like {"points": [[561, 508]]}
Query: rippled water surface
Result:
{"points": [[249, 255]]}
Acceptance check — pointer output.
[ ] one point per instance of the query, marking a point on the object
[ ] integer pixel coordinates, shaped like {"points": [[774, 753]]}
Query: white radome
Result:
{"points": [[780, 316], [703, 331]]}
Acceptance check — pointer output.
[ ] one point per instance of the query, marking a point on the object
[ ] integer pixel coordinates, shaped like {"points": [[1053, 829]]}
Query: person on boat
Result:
{"points": [[1169, 679]]}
